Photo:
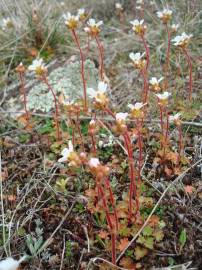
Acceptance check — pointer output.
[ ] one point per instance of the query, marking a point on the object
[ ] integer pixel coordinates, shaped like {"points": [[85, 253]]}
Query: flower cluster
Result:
{"points": [[136, 111], [97, 169], [165, 15], [99, 97], [71, 21], [175, 119], [38, 67], [81, 14], [93, 28], [93, 127], [163, 98], [70, 156], [121, 126], [6, 23], [182, 40], [138, 60], [138, 27], [119, 7], [155, 84]]}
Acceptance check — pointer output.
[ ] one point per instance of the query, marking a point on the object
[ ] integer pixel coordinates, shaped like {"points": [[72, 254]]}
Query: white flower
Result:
{"points": [[94, 162], [155, 81], [166, 12], [93, 27], [137, 23], [71, 21], [137, 106], [174, 117], [163, 96], [81, 12], [121, 116], [92, 122], [92, 23], [139, 2], [136, 57], [118, 6], [66, 152], [182, 39], [102, 88], [175, 27], [36, 65], [6, 22], [11, 264]]}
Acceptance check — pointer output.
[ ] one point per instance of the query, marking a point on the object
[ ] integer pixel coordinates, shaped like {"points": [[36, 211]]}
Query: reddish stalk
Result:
{"points": [[82, 69], [180, 142], [79, 131], [139, 126], [168, 49], [166, 134], [112, 200], [146, 86], [22, 80], [100, 48], [161, 119], [109, 221], [146, 50], [93, 143], [190, 72], [56, 106], [133, 188]]}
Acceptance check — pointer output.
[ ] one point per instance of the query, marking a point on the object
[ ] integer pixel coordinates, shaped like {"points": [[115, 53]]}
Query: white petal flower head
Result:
{"points": [[138, 106], [92, 23], [164, 12], [66, 152], [38, 67], [137, 22], [136, 57], [81, 11], [121, 116], [175, 117], [94, 162], [6, 23], [118, 6], [182, 40], [71, 21], [175, 27], [163, 96], [10, 264], [93, 28], [99, 95], [155, 81]]}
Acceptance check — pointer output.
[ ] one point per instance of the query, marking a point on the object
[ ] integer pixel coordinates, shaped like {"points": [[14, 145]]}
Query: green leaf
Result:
{"points": [[140, 252], [147, 231], [183, 238]]}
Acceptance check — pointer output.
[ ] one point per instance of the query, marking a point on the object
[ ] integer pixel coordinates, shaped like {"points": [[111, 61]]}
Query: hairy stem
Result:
{"points": [[22, 81], [146, 50], [82, 69], [146, 85], [56, 106], [190, 72], [100, 48]]}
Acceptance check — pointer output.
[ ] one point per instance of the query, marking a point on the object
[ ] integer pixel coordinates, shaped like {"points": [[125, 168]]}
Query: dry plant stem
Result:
{"points": [[146, 86], [56, 106], [190, 72], [93, 143], [22, 81], [80, 133], [179, 127], [146, 50], [112, 200], [133, 187], [109, 221], [82, 69], [168, 49], [100, 48]]}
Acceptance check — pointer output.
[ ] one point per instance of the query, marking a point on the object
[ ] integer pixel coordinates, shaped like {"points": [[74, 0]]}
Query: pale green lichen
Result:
{"points": [[66, 79]]}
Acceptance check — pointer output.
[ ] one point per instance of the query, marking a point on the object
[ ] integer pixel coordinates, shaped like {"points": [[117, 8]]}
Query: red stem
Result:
{"points": [[146, 86], [24, 95], [100, 48], [56, 106], [82, 69], [166, 134], [180, 142], [113, 236], [190, 72], [93, 143], [146, 50], [168, 49], [80, 133]]}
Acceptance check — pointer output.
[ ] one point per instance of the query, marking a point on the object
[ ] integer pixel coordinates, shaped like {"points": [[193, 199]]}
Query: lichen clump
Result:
{"points": [[67, 80]]}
